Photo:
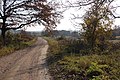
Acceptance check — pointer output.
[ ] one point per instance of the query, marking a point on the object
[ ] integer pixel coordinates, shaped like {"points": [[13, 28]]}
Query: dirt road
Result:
{"points": [[27, 64]]}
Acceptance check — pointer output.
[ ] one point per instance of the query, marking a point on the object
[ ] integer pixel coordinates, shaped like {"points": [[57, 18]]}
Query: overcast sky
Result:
{"points": [[67, 23]]}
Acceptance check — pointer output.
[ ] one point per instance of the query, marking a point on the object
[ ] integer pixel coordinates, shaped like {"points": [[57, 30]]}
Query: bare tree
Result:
{"points": [[16, 14]]}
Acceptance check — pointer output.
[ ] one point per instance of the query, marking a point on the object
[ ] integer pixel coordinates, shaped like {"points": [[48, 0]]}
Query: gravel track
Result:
{"points": [[26, 64]]}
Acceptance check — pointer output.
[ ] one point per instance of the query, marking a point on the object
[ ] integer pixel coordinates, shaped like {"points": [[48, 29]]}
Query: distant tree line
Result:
{"points": [[116, 32], [61, 33]]}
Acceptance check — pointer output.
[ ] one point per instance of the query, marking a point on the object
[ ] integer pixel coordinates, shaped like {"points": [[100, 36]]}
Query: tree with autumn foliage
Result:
{"points": [[97, 25], [16, 14]]}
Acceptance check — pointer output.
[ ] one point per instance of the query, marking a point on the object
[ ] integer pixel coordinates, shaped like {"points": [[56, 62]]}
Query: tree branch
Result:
{"points": [[22, 25]]}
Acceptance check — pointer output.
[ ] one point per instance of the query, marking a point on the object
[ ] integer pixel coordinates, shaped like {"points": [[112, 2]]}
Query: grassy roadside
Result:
{"points": [[16, 42], [94, 67], [64, 65]]}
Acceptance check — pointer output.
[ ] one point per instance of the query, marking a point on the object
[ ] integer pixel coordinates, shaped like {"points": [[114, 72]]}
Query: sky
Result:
{"points": [[67, 24]]}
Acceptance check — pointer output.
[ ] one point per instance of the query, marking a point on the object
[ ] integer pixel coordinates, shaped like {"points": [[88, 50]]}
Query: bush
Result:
{"points": [[6, 50]]}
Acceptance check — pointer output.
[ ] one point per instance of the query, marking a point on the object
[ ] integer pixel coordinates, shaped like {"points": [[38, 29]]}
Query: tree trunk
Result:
{"points": [[3, 37]]}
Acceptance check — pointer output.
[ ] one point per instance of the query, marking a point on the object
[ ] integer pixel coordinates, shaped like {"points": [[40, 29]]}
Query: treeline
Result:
{"points": [[61, 33], [116, 32]]}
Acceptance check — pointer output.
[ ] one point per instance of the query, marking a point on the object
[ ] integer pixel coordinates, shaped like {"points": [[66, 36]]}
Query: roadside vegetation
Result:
{"points": [[15, 42], [68, 59], [93, 56]]}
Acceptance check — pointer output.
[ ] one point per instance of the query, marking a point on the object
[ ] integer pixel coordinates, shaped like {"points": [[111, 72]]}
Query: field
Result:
{"points": [[115, 41], [65, 63]]}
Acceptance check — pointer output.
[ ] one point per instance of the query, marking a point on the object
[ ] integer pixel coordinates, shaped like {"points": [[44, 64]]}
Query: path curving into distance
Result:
{"points": [[26, 64]]}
